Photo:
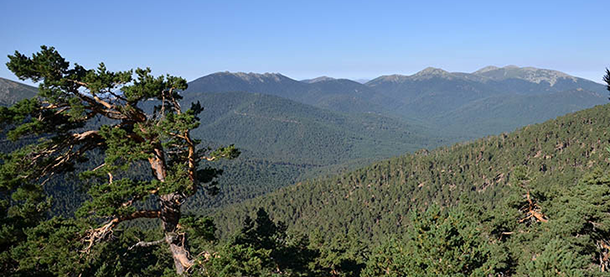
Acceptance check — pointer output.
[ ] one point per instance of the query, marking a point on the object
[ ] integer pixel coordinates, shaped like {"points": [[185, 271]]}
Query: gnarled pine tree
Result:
{"points": [[80, 111]]}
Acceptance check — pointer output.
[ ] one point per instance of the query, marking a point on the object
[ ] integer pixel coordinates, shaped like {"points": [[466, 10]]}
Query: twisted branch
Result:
{"points": [[103, 232]]}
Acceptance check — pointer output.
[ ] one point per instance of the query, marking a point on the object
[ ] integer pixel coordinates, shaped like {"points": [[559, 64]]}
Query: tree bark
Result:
{"points": [[170, 217]]}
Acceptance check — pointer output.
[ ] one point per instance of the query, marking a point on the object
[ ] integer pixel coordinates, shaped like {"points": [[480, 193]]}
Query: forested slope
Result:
{"points": [[373, 202], [283, 141]]}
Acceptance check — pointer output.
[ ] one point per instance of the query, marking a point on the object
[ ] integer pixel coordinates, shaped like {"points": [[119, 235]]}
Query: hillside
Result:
{"points": [[283, 141], [289, 131], [373, 201], [11, 92], [497, 114]]}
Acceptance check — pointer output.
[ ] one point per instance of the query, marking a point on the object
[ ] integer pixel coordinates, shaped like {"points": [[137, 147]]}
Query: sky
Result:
{"points": [[306, 39]]}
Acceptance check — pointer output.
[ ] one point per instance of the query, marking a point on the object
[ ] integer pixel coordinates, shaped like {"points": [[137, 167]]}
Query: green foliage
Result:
{"points": [[438, 243], [342, 255], [239, 260], [374, 201], [262, 248], [495, 183], [514, 204], [79, 112], [284, 142], [557, 259]]}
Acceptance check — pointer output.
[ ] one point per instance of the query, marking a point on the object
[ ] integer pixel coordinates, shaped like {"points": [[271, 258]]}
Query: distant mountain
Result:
{"points": [[530, 74], [268, 83], [431, 91], [324, 92], [11, 92], [489, 100]]}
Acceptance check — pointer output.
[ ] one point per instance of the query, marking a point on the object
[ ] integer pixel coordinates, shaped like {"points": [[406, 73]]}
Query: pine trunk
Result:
{"points": [[170, 216]]}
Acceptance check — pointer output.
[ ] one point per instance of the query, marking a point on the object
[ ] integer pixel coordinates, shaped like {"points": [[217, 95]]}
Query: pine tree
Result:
{"points": [[134, 122], [438, 243], [263, 248]]}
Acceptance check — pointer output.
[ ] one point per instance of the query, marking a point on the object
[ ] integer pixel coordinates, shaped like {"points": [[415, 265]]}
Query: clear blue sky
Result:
{"points": [[304, 39]]}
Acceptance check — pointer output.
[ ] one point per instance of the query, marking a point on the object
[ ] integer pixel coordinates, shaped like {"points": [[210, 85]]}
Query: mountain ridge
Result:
{"points": [[324, 92], [426, 71], [529, 73]]}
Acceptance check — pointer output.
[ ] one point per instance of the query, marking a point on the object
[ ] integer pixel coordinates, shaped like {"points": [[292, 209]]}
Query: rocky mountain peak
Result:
{"points": [[431, 72]]}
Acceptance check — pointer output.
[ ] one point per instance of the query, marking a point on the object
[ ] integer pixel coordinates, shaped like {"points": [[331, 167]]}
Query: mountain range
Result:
{"points": [[490, 100], [340, 95], [530, 202]]}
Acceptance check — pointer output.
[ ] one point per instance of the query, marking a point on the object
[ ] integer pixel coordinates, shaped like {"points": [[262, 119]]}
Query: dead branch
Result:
{"points": [[104, 103], [145, 244], [106, 230], [532, 210]]}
